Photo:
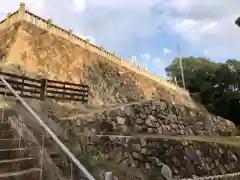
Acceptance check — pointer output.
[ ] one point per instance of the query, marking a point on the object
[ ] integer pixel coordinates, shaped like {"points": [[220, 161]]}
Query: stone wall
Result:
{"points": [[186, 159], [113, 140]]}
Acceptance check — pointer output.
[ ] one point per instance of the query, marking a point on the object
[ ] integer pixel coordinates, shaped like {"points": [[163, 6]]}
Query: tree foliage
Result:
{"points": [[215, 85], [237, 22]]}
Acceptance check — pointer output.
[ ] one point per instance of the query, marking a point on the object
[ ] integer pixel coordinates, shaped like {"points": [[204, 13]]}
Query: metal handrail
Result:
{"points": [[49, 131]]}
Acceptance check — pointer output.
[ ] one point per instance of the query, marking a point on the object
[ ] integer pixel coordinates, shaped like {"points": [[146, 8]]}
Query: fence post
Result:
{"points": [[22, 86], [8, 19], [63, 95], [85, 94], [49, 24], [108, 176], [43, 92], [21, 11]]}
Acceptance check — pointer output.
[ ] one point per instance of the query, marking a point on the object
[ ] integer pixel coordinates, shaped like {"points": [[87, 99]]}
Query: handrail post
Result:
{"points": [[64, 90], [108, 176], [43, 92], [22, 85], [8, 20], [86, 94], [49, 23], [21, 11]]}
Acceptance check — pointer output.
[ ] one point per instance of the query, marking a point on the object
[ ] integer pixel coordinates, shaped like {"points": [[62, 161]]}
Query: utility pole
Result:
{"points": [[181, 66]]}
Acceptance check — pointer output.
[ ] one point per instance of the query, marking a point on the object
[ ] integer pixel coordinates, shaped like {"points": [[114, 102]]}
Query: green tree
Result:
{"points": [[237, 21], [215, 85]]}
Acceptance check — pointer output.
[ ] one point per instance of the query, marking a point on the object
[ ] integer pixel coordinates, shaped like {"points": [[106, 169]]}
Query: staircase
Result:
{"points": [[16, 162]]}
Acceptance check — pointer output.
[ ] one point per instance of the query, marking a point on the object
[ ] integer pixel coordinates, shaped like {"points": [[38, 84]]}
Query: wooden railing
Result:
{"points": [[43, 89], [23, 15]]}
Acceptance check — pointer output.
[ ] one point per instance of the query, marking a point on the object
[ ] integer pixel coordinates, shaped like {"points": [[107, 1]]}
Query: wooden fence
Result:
{"points": [[44, 89]]}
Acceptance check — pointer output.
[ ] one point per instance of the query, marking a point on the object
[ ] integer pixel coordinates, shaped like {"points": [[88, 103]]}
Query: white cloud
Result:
{"points": [[166, 51], [79, 5], [155, 63], [35, 4], [193, 31], [116, 24], [145, 57], [207, 25], [148, 58], [119, 4]]}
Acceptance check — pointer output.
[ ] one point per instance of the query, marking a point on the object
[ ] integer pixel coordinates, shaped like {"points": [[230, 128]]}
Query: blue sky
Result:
{"points": [[149, 30]]}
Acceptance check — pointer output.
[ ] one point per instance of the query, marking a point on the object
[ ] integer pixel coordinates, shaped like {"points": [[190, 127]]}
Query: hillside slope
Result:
{"points": [[143, 136], [154, 119], [38, 51]]}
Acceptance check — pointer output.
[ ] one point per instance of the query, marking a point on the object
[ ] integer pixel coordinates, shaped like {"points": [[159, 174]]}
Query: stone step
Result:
{"points": [[9, 133], [29, 174], [10, 143], [13, 153], [18, 164], [4, 126]]}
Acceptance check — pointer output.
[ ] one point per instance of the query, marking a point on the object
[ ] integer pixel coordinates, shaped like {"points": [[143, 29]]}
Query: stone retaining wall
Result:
{"points": [[186, 159]]}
